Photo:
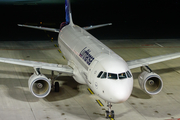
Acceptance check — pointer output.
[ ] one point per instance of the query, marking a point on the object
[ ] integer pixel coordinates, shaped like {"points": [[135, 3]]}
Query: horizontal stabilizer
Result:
{"points": [[40, 28], [96, 26]]}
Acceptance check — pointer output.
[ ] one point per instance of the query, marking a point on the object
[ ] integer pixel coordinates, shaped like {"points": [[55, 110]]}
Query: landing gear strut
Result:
{"points": [[54, 84], [109, 113]]}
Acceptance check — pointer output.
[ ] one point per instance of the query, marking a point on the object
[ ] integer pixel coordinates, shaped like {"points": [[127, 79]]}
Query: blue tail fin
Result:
{"points": [[68, 13]]}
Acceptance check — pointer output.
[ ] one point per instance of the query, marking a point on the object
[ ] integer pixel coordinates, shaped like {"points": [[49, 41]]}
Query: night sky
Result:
{"points": [[132, 19]]}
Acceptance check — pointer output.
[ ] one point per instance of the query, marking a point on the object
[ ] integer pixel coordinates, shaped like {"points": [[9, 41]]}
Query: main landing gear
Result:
{"points": [[109, 113], [54, 85]]}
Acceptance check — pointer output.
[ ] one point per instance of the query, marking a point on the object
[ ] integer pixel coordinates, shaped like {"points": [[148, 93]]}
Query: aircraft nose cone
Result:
{"points": [[120, 97], [121, 94]]}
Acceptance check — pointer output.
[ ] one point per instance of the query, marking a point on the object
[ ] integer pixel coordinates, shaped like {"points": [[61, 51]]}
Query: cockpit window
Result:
{"points": [[99, 75], [122, 75], [104, 75], [128, 74], [112, 76]]}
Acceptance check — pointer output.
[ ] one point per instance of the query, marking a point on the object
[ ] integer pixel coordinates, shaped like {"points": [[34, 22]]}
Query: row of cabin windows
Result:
{"points": [[113, 75]]}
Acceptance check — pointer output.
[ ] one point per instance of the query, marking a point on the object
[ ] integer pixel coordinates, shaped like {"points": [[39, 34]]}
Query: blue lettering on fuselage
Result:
{"points": [[84, 54]]}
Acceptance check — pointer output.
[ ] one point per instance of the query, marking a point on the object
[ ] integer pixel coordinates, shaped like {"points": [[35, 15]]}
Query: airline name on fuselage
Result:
{"points": [[84, 54]]}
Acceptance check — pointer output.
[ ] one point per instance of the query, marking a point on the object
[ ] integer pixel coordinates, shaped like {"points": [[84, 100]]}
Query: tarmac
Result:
{"points": [[75, 101]]}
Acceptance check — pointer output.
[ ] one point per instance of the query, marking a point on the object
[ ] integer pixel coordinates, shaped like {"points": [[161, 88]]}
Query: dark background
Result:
{"points": [[132, 19]]}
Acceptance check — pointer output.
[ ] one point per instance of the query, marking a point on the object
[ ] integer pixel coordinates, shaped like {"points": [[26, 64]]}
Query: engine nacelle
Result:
{"points": [[39, 85], [150, 82]]}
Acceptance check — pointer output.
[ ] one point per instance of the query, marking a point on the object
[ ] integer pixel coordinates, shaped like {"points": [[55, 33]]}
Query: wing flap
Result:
{"points": [[42, 65], [152, 60]]}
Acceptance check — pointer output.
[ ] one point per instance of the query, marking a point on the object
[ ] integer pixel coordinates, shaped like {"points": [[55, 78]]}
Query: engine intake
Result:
{"points": [[150, 82], [39, 85]]}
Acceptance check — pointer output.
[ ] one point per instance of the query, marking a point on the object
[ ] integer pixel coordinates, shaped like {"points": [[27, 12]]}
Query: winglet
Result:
{"points": [[68, 13]]}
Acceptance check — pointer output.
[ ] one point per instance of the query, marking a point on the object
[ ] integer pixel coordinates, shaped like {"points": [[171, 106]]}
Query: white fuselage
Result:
{"points": [[94, 63]]}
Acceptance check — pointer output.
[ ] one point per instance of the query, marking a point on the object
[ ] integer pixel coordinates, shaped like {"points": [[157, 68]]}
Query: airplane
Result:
{"points": [[92, 63]]}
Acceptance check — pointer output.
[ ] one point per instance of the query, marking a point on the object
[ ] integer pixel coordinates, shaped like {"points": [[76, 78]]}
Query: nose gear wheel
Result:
{"points": [[109, 113]]}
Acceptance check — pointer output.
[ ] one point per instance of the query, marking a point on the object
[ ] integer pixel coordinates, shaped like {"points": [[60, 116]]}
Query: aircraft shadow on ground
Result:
{"points": [[68, 88], [158, 71], [122, 114], [18, 88], [15, 73], [68, 84], [139, 93]]}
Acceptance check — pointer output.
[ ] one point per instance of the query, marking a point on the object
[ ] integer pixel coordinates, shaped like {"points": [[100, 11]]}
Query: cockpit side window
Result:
{"points": [[128, 74], [104, 75], [122, 75], [99, 75], [112, 76]]}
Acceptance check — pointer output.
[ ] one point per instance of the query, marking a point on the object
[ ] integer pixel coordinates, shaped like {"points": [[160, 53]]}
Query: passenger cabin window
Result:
{"points": [[104, 75], [128, 74], [122, 75], [99, 75], [112, 76]]}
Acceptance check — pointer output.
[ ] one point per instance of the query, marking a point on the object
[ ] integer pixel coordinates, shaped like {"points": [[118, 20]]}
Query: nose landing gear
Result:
{"points": [[109, 113]]}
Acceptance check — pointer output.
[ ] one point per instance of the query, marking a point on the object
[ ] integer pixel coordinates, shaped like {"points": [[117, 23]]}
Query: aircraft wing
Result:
{"points": [[42, 65], [40, 28], [152, 60]]}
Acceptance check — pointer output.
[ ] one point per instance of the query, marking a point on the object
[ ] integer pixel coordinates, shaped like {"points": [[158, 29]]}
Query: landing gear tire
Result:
{"points": [[109, 114], [56, 87], [112, 114]]}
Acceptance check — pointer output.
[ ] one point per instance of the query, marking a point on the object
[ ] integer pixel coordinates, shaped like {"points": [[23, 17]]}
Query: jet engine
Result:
{"points": [[39, 85], [150, 82]]}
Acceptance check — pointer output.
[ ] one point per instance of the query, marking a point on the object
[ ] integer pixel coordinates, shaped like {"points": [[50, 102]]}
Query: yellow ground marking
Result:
{"points": [[63, 57], [99, 102], [59, 51], [90, 91]]}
